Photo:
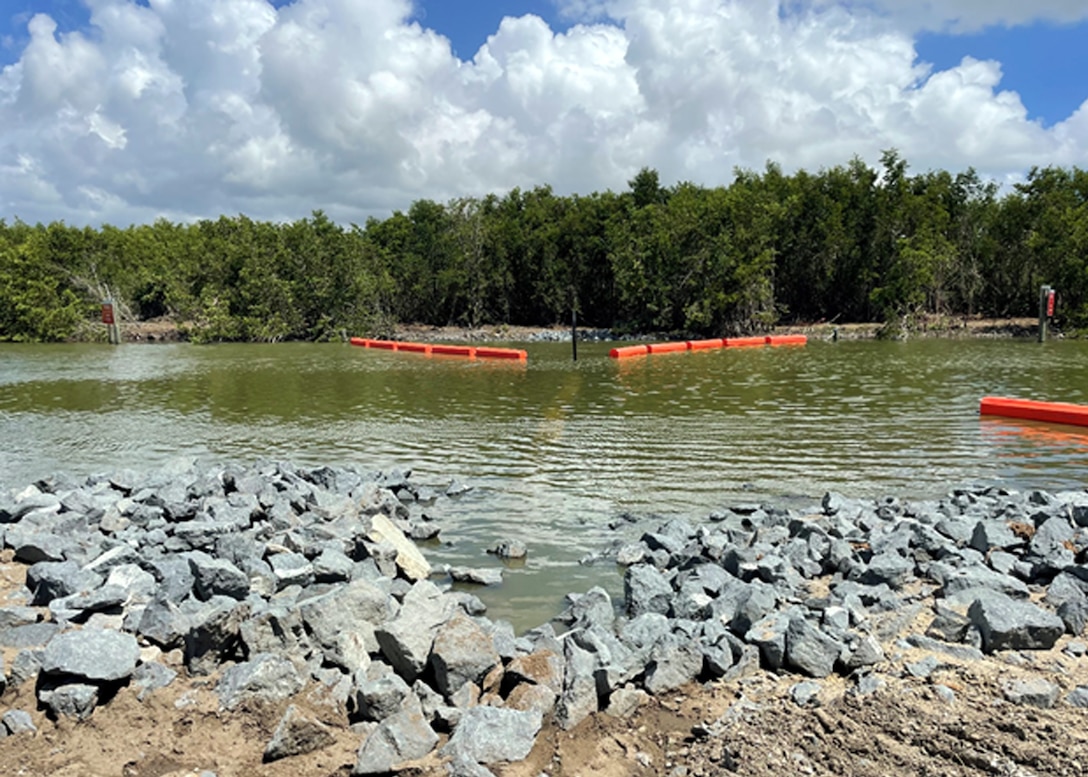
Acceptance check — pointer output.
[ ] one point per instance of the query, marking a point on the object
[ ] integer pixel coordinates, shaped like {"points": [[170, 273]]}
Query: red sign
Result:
{"points": [[107, 313], [1050, 303]]}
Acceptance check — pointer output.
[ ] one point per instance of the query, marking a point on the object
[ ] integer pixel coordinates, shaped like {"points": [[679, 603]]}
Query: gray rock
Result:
{"points": [[91, 654], [542, 667], [291, 569], [174, 576], [265, 677], [809, 650], [976, 577], [805, 694], [865, 652], [645, 590], [1008, 624], [16, 722], [1078, 697], [48, 580], [924, 668], [991, 534], [150, 677], [75, 700], [343, 622], [13, 617], [673, 663], [332, 566], [1035, 692], [214, 632], [462, 652], [31, 635], [593, 608], [297, 734], [888, 568], [406, 640], [164, 623], [489, 735], [476, 576], [624, 701], [379, 693], [397, 739], [579, 697], [25, 666], [510, 549], [769, 636], [217, 577]]}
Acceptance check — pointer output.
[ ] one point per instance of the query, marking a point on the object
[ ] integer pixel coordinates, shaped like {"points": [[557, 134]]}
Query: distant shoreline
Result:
{"points": [[167, 331]]}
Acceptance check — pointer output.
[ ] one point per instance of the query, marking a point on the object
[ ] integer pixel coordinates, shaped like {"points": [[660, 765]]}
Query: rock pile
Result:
{"points": [[276, 581]]}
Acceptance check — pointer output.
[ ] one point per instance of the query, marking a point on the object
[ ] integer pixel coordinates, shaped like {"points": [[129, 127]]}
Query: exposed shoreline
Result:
{"points": [[165, 330], [866, 637]]}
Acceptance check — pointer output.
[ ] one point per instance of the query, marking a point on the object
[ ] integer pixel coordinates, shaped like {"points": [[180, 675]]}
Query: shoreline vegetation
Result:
{"points": [[851, 244], [276, 620]]}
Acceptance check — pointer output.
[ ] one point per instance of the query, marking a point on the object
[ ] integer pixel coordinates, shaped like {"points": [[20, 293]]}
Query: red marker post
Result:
{"points": [[110, 322]]}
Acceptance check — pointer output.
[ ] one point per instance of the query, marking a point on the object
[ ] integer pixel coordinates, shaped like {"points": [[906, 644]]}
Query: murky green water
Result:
{"points": [[557, 449]]}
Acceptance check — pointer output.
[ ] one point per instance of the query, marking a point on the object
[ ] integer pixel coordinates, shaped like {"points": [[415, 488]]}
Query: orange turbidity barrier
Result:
{"points": [[745, 342], [502, 353], [414, 347], [706, 345], [1031, 410], [454, 350], [787, 340], [672, 347], [386, 345], [628, 352]]}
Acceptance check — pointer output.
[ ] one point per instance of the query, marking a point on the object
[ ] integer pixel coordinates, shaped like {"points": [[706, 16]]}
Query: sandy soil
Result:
{"points": [[748, 726]]}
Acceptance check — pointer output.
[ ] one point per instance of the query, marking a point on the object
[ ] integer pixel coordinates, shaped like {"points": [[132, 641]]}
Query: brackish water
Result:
{"points": [[556, 449]]}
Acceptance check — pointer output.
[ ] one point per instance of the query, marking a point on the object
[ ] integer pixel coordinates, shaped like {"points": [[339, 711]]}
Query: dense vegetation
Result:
{"points": [[850, 243]]}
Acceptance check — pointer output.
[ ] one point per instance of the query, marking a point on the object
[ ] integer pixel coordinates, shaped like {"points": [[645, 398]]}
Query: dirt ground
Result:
{"points": [[164, 330], [747, 726]]}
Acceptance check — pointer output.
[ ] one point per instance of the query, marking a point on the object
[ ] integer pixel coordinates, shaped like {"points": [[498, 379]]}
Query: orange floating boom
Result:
{"points": [[787, 340], [629, 351], [745, 342], [1031, 410], [414, 347], [705, 345], [386, 345], [501, 353], [672, 347], [453, 350]]}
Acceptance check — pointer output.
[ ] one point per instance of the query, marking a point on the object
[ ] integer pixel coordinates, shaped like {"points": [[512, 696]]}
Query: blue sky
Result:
{"points": [[125, 111]]}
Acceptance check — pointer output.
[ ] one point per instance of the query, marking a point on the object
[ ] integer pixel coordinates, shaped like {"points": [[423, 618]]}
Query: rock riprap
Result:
{"points": [[280, 582]]}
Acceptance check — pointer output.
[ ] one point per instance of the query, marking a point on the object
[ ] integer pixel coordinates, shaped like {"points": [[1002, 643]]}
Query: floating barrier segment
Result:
{"points": [[414, 347], [705, 345], [744, 342], [502, 353], [787, 340], [629, 351], [429, 349], [454, 350], [1032, 410], [672, 347]]}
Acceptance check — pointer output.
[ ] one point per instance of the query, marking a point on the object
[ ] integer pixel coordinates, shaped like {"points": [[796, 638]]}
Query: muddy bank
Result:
{"points": [[165, 331]]}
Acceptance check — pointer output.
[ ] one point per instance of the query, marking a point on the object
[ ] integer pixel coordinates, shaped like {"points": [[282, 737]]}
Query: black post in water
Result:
{"points": [[1044, 295], [574, 332]]}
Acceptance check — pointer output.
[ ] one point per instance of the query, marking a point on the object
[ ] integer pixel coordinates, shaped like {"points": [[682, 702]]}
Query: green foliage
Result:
{"points": [[848, 243]]}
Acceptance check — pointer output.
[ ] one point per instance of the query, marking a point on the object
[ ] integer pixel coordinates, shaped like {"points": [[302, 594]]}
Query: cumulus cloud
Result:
{"points": [[196, 108]]}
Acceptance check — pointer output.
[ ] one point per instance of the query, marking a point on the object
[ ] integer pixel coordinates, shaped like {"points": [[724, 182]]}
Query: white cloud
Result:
{"points": [[191, 109]]}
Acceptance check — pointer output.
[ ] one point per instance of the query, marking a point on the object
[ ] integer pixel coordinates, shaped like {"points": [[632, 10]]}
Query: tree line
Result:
{"points": [[851, 243]]}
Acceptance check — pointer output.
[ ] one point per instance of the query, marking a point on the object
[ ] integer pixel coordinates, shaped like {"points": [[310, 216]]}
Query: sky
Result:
{"points": [[126, 111]]}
